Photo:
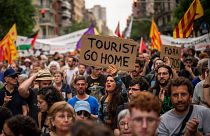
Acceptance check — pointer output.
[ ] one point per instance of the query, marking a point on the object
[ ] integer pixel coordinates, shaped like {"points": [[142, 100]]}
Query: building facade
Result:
{"points": [[78, 9], [160, 10], [100, 15]]}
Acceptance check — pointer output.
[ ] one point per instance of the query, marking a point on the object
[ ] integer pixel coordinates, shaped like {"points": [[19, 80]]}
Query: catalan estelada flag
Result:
{"points": [[155, 36], [185, 25]]}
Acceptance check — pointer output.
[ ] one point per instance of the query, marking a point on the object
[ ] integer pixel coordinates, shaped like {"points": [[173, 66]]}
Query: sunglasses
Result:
{"points": [[13, 76], [84, 113]]}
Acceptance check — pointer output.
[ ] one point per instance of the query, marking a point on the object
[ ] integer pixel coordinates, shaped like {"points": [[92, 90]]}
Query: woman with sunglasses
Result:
{"points": [[82, 110]]}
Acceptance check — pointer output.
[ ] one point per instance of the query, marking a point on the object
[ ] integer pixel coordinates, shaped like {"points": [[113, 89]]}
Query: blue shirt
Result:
{"points": [[94, 105]]}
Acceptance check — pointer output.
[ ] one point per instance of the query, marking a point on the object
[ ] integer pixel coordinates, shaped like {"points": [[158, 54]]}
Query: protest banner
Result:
{"points": [[173, 53], [105, 50], [200, 43]]}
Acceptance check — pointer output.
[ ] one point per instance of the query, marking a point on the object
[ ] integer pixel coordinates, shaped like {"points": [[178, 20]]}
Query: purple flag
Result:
{"points": [[89, 31]]}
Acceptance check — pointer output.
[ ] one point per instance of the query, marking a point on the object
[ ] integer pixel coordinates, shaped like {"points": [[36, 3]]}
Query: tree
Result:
{"points": [[140, 29], [77, 26], [20, 12], [182, 8]]}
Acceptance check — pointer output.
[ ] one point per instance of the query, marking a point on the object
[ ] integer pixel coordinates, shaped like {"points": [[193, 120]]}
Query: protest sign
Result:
{"points": [[105, 50], [173, 53]]}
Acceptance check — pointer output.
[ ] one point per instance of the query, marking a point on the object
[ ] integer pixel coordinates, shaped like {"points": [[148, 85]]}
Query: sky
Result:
{"points": [[116, 10]]}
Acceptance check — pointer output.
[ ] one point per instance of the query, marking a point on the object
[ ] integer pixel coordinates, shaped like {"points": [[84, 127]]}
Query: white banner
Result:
{"points": [[61, 44], [200, 43]]}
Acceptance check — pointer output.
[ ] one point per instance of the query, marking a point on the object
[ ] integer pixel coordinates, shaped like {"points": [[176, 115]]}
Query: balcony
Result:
{"points": [[66, 13], [65, 5], [46, 22]]}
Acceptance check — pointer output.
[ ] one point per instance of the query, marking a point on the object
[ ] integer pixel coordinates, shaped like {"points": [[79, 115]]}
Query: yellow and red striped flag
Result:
{"points": [[155, 36], [185, 25], [7, 45], [12, 34]]}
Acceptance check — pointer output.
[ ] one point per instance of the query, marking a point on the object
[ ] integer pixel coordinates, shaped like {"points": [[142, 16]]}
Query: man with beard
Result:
{"points": [[80, 85], [29, 90], [163, 75], [172, 121], [9, 95]]}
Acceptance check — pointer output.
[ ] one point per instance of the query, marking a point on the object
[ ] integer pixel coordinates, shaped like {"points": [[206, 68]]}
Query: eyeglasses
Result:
{"points": [[98, 69], [84, 113], [80, 84], [62, 116], [148, 120], [133, 89]]}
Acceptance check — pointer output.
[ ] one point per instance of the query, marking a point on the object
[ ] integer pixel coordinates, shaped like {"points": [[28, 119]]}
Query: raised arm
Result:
{"points": [[24, 87]]}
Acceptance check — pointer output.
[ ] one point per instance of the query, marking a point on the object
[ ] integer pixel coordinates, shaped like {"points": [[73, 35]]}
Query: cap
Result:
{"points": [[82, 105], [10, 72], [44, 74]]}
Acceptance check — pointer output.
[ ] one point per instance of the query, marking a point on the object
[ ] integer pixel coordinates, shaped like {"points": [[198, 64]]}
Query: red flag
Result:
{"points": [[142, 46], [117, 30], [34, 39], [122, 36]]}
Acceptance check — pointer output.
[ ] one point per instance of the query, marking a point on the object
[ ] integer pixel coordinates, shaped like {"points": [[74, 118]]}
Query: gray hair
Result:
{"points": [[122, 114]]}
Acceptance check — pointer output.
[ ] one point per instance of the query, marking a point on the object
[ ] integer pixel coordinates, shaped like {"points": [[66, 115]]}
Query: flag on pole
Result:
{"points": [[34, 39], [28, 42], [185, 25], [10, 52], [12, 34], [89, 31], [117, 30], [128, 32], [8, 47], [155, 36], [142, 46]]}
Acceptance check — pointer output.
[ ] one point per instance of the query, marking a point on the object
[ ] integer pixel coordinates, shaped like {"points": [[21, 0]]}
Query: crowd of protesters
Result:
{"points": [[56, 95]]}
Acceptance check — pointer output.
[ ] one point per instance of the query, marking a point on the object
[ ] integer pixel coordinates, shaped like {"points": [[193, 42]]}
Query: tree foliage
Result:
{"points": [[77, 26], [140, 29], [20, 12], [182, 8]]}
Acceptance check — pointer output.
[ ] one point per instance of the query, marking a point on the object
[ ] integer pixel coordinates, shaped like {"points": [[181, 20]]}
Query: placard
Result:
{"points": [[106, 50], [173, 53]]}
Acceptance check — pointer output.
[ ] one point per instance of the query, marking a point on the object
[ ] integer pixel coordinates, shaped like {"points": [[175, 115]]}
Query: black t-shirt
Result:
{"points": [[16, 103], [32, 104], [65, 90], [187, 74], [100, 81]]}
